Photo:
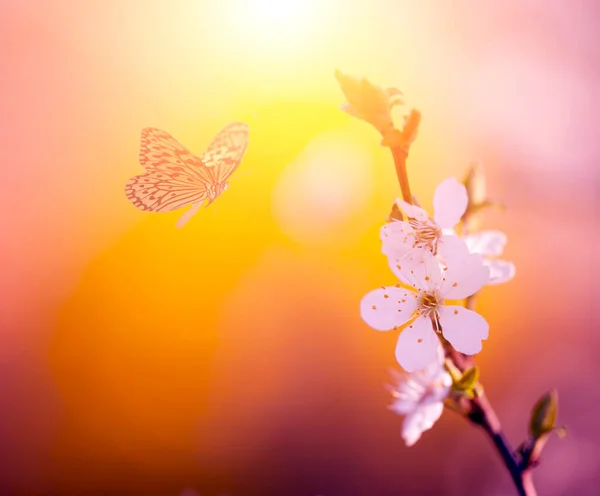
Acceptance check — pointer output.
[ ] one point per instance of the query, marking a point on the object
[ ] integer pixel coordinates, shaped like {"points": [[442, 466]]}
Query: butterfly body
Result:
{"points": [[176, 178]]}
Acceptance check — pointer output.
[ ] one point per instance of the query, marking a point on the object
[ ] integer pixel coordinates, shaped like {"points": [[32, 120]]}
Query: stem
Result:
{"points": [[400, 149], [484, 415], [481, 413], [527, 479], [400, 155]]}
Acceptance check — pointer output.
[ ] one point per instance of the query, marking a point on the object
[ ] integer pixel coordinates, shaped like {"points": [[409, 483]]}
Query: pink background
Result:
{"points": [[229, 357]]}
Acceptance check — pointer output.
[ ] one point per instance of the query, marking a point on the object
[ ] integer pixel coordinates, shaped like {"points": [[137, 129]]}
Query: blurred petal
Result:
{"points": [[475, 184], [403, 406], [463, 328], [382, 309], [397, 239], [420, 421], [488, 242], [452, 249], [464, 277], [417, 345], [449, 202], [408, 395], [500, 271], [412, 211]]}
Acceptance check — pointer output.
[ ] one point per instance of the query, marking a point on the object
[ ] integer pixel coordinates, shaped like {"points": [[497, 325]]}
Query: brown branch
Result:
{"points": [[481, 413], [399, 143], [400, 155], [484, 415]]}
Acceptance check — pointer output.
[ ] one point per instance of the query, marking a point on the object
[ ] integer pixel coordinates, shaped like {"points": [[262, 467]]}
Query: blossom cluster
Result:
{"points": [[435, 267]]}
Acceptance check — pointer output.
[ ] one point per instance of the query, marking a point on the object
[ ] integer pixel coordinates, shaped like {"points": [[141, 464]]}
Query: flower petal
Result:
{"points": [[464, 277], [463, 328], [385, 308], [417, 345], [407, 395], [488, 242], [403, 406], [397, 239], [436, 378], [412, 211], [451, 249], [420, 269], [400, 266], [500, 271], [420, 421], [449, 202]]}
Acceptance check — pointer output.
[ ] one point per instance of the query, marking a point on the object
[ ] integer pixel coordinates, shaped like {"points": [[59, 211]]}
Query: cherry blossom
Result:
{"points": [[421, 233], [490, 243], [421, 312], [420, 398]]}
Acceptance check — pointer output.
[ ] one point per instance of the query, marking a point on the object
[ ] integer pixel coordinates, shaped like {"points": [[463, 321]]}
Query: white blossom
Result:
{"points": [[490, 243], [419, 396], [420, 233], [421, 312]]}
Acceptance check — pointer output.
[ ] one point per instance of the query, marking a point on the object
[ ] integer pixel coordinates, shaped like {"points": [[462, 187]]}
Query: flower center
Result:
{"points": [[429, 301], [426, 233]]}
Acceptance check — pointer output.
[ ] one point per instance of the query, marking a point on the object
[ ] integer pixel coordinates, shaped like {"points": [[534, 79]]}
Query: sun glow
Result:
{"points": [[280, 25], [274, 13]]}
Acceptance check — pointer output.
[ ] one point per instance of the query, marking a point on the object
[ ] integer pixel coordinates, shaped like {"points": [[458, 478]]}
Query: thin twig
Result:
{"points": [[400, 155], [484, 415], [401, 145], [481, 413]]}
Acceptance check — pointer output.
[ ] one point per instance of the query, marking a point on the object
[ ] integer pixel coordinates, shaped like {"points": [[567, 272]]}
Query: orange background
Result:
{"points": [[229, 357]]}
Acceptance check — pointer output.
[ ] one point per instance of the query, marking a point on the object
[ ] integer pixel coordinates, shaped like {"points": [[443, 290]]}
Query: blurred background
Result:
{"points": [[229, 357]]}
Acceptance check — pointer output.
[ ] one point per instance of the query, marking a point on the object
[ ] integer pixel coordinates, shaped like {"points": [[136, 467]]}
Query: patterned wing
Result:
{"points": [[160, 151], [225, 152], [160, 191]]}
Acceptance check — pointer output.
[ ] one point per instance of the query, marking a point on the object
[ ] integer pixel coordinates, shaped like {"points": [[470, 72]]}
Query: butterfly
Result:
{"points": [[176, 178]]}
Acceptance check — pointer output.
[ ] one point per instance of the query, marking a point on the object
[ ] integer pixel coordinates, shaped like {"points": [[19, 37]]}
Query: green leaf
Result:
{"points": [[468, 380], [363, 95], [453, 370], [394, 97], [411, 127], [543, 415], [374, 98], [465, 383], [369, 102]]}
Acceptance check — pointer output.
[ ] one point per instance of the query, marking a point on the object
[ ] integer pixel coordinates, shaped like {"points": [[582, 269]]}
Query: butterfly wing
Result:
{"points": [[226, 150], [159, 151], [174, 176], [158, 191]]}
